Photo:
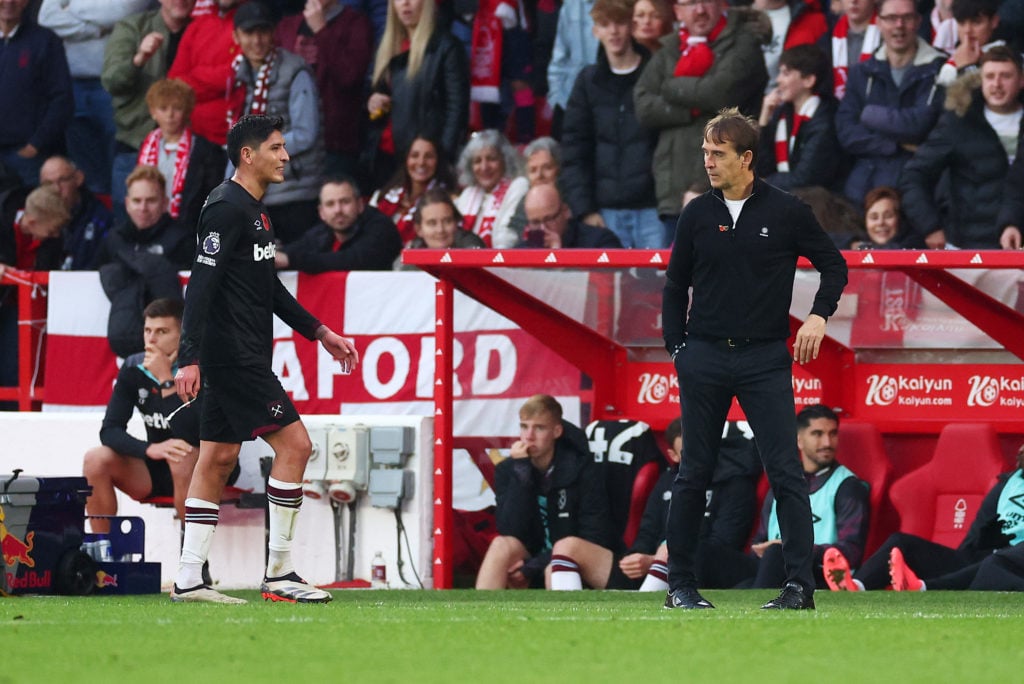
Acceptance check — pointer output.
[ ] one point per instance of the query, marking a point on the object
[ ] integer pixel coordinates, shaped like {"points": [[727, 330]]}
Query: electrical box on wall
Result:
{"points": [[388, 487], [391, 446], [348, 454], [339, 453]]}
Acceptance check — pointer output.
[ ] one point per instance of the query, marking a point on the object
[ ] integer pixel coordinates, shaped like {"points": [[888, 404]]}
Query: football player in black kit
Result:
{"points": [[227, 334], [160, 465]]}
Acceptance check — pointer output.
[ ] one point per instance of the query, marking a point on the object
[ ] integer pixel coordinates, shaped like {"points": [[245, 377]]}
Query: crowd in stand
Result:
{"points": [[867, 108], [899, 124]]}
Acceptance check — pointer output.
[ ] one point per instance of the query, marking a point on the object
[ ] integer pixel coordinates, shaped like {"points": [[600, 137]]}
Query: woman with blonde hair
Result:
{"points": [[420, 87]]}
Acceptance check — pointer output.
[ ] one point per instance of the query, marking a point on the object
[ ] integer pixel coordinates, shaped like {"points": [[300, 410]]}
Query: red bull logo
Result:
{"points": [[15, 550], [105, 579]]}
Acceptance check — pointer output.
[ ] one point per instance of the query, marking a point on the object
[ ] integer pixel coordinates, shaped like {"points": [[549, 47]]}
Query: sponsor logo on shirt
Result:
{"points": [[265, 252]]}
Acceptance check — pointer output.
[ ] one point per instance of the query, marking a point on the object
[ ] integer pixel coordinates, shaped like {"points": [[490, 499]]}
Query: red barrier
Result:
{"points": [[878, 372], [31, 301]]}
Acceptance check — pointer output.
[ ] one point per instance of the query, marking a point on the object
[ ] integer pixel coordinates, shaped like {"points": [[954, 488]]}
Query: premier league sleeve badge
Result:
{"points": [[211, 244]]}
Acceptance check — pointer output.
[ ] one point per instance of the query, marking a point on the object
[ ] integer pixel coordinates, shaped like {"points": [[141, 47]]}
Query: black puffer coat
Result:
{"points": [[607, 155], [966, 145]]}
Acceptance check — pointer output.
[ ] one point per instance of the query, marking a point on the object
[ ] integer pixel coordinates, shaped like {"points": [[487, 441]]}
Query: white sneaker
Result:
{"points": [[202, 594], [292, 589]]}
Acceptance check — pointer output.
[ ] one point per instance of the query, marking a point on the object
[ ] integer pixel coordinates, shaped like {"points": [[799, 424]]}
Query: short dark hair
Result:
{"points": [[1001, 53], [342, 179], [734, 127], [809, 60], [813, 412], [252, 130], [435, 196], [163, 308], [674, 429], [964, 10]]}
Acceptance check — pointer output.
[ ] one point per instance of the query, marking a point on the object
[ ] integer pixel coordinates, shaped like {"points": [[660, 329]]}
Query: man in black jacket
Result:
{"points": [[547, 491], [607, 171], [549, 224], [139, 259], [974, 142], [350, 236], [738, 246]]}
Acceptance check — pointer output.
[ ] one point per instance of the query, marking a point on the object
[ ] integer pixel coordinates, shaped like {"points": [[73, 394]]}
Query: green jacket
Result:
{"points": [[127, 83], [679, 107]]}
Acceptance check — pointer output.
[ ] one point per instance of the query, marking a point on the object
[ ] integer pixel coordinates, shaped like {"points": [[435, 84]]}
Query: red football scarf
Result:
{"points": [[785, 140], [840, 56], [486, 51], [259, 88], [149, 154], [485, 207], [695, 55]]}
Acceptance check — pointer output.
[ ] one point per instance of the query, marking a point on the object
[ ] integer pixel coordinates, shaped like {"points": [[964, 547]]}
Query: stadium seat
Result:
{"points": [[939, 500], [861, 450], [643, 485], [232, 496]]}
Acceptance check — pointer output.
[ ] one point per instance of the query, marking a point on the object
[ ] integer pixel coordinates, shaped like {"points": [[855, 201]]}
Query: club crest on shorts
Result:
{"points": [[211, 243], [275, 409]]}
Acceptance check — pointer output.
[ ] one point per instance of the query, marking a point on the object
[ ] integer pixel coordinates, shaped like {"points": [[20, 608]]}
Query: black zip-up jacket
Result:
{"points": [[965, 146], [577, 503], [742, 275], [608, 154]]}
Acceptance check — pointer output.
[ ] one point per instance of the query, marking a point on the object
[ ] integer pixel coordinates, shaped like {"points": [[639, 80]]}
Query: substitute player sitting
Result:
{"points": [[226, 349], [161, 464]]}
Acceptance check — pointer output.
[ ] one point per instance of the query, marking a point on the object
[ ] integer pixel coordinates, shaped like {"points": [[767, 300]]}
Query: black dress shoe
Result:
{"points": [[687, 599], [792, 597]]}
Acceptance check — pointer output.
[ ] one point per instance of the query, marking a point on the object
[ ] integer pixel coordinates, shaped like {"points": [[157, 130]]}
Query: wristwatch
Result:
{"points": [[167, 384]]}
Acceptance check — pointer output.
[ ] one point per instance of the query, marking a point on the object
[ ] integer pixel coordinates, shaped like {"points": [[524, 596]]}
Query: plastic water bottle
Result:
{"points": [[378, 572]]}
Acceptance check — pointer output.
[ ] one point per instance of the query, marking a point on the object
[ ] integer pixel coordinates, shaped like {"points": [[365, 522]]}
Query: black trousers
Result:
{"points": [[999, 571], [926, 558], [759, 374]]}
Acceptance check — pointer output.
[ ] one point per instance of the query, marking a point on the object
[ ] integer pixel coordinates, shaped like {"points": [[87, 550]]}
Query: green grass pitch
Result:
{"points": [[467, 636]]}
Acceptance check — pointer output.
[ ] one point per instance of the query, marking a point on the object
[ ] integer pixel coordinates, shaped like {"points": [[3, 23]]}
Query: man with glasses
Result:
{"points": [[891, 102], [90, 219], [713, 61], [549, 224]]}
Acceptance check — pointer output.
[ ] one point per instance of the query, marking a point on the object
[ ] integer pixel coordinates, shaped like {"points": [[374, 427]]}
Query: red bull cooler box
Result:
{"points": [[45, 549]]}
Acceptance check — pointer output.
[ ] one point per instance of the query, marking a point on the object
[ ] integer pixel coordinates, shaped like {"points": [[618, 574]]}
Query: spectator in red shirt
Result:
{"points": [[204, 60]]}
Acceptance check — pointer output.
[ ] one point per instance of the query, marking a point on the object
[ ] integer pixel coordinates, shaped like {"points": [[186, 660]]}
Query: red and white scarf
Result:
{"points": [[149, 155], [260, 87], [480, 204], [785, 139], [390, 204], [695, 55], [840, 51]]}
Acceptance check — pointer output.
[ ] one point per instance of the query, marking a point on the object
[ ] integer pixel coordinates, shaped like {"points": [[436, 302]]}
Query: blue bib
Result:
{"points": [[1011, 507], [823, 509]]}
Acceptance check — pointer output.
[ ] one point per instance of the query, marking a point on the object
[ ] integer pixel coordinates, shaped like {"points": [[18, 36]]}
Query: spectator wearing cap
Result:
{"points": [[272, 81]]}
